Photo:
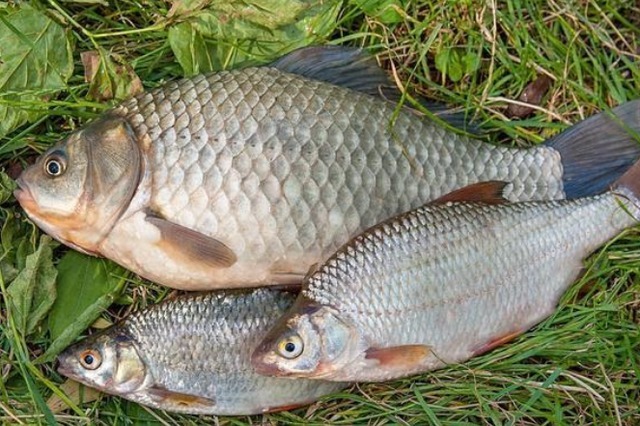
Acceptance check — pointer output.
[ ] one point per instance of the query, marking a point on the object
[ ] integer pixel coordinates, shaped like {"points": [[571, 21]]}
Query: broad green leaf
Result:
{"points": [[86, 287], [35, 63], [27, 301], [221, 34], [7, 185], [76, 325], [191, 50]]}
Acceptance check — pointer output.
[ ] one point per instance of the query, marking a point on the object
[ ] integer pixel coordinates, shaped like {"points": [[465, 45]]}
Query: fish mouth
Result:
{"points": [[23, 195], [63, 367]]}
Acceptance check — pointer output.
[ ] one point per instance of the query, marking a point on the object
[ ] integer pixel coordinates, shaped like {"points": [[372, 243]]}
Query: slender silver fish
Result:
{"points": [[191, 355], [441, 284], [248, 177]]}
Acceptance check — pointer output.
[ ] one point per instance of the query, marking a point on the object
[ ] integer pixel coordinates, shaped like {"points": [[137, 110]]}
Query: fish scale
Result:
{"points": [[451, 277], [354, 168], [248, 177], [200, 346]]}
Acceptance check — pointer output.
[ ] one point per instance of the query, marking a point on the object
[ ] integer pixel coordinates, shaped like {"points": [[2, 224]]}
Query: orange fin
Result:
{"points": [[180, 241], [166, 396], [494, 343], [399, 357], [285, 407], [489, 192]]}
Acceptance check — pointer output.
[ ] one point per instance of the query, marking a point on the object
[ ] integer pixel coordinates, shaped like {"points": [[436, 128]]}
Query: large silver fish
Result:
{"points": [[442, 283], [248, 177], [191, 355]]}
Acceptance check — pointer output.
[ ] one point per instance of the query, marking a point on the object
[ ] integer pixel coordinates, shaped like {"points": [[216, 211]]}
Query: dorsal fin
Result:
{"points": [[357, 70], [343, 66], [489, 192]]}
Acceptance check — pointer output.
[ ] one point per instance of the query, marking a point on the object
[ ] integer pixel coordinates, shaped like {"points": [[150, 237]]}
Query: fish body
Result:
{"points": [[440, 284], [191, 355], [249, 177]]}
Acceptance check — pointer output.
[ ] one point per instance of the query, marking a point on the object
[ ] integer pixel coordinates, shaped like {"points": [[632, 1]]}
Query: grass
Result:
{"points": [[581, 366]]}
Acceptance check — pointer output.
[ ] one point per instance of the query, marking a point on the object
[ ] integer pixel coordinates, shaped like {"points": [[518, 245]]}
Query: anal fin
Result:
{"points": [[495, 342], [168, 397], [179, 241]]}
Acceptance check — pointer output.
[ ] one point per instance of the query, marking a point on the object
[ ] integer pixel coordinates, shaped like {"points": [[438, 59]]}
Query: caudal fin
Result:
{"points": [[598, 150]]}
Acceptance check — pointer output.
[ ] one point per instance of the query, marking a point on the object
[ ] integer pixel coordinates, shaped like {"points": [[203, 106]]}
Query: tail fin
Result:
{"points": [[598, 150]]}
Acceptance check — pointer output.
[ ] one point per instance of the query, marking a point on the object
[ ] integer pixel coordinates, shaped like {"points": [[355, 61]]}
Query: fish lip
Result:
{"points": [[63, 367], [23, 194]]}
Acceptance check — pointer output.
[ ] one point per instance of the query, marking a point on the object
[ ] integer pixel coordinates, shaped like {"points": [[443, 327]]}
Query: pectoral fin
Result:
{"points": [[399, 358], [179, 241], [165, 396]]}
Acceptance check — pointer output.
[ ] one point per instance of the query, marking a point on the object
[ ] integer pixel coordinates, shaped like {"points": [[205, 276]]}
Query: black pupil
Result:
{"points": [[53, 167], [88, 359], [290, 347]]}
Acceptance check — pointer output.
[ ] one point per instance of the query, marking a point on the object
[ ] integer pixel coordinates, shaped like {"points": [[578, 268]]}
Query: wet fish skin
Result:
{"points": [[248, 177], [191, 355], [439, 285]]}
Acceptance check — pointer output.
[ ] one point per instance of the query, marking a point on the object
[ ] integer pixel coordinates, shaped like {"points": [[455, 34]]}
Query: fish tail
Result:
{"points": [[599, 150]]}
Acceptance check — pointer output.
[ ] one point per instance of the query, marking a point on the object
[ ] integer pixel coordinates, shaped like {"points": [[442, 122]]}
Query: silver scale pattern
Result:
{"points": [[455, 276], [201, 345], [272, 163]]}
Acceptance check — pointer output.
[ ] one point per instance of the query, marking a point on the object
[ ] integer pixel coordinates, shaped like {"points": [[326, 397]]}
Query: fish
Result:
{"points": [[191, 355], [249, 177], [441, 284]]}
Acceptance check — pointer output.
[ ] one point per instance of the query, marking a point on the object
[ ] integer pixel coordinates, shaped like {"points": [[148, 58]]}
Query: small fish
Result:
{"points": [[442, 283], [248, 177], [192, 355]]}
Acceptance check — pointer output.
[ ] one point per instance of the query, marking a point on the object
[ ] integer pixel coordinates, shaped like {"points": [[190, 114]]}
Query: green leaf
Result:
{"points": [[76, 325], [454, 64], [85, 285], [27, 300], [35, 63], [471, 62], [386, 11], [191, 50], [7, 186], [220, 34]]}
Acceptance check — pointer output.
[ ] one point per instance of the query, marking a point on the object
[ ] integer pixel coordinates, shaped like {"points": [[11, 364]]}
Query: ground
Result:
{"points": [[581, 366]]}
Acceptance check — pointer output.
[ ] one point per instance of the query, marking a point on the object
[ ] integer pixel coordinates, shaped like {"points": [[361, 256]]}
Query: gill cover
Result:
{"points": [[320, 343], [130, 371], [78, 189]]}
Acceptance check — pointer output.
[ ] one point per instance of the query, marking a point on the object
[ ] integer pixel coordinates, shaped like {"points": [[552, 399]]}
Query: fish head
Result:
{"points": [[108, 361], [78, 188], [311, 341]]}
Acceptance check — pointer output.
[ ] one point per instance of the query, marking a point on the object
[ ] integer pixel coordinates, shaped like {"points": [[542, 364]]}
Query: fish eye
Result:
{"points": [[55, 165], [290, 347], [90, 359]]}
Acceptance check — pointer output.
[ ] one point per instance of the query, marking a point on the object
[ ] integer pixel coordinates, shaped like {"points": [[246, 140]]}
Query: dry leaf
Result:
{"points": [[532, 94], [76, 392], [108, 77]]}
